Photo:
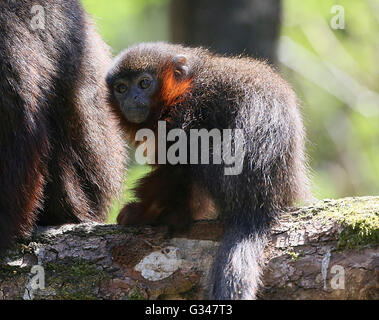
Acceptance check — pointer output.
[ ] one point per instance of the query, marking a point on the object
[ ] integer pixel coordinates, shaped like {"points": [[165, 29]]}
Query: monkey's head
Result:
{"points": [[134, 94], [148, 78]]}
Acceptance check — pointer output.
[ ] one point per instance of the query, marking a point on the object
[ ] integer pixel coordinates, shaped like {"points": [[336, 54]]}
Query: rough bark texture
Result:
{"points": [[233, 27], [325, 251]]}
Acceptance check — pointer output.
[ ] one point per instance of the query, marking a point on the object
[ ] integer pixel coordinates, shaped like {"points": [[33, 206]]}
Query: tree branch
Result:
{"points": [[325, 251]]}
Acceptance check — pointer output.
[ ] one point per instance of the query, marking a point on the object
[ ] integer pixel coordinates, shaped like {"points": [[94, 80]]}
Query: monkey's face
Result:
{"points": [[134, 95]]}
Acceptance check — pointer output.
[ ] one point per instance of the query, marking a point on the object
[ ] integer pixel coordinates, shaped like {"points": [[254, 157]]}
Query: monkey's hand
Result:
{"points": [[136, 213]]}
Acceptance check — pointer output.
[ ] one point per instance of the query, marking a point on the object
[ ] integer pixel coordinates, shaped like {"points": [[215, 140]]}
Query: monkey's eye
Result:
{"points": [[121, 88], [145, 83]]}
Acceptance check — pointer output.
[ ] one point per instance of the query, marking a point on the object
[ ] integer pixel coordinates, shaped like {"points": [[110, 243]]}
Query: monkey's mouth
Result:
{"points": [[136, 114]]}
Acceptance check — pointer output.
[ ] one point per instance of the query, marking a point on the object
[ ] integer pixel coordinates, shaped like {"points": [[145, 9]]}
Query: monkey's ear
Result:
{"points": [[180, 63]]}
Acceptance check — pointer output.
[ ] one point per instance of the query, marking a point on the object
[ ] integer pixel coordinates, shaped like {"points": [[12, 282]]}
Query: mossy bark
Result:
{"points": [[328, 250]]}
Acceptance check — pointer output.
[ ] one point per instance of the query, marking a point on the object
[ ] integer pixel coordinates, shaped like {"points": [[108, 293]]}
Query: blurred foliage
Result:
{"points": [[124, 22], [343, 135], [342, 125]]}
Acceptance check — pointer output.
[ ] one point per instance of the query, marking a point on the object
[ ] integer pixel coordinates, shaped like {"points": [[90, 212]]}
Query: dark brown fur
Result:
{"points": [[220, 92], [61, 157]]}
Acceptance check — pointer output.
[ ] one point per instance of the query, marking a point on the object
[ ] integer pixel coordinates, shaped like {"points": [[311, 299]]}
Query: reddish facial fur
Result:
{"points": [[172, 90]]}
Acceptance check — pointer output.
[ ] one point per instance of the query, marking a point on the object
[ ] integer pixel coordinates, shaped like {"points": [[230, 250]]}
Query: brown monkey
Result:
{"points": [[61, 155], [191, 88]]}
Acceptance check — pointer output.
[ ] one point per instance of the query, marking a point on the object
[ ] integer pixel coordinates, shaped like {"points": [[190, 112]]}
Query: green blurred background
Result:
{"points": [[335, 73]]}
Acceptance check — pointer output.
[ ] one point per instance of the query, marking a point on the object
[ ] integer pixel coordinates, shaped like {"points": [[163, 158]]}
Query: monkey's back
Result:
{"points": [[248, 94]]}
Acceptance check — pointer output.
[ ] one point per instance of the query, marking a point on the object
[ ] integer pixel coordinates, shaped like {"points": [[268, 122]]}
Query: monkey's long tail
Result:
{"points": [[236, 269]]}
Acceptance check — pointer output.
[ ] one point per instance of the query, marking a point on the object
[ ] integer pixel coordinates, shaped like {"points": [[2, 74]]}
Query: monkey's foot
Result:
{"points": [[131, 214]]}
